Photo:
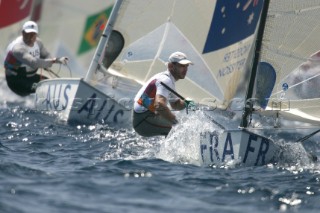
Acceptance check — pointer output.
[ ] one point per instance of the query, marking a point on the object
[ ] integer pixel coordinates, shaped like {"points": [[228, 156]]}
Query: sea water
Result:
{"points": [[49, 166]]}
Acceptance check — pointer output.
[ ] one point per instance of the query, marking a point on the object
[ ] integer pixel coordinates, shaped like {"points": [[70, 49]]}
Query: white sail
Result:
{"points": [[290, 46], [152, 30], [63, 30]]}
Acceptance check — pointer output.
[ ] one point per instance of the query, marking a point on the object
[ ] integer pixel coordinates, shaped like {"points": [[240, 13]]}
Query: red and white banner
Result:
{"points": [[13, 11]]}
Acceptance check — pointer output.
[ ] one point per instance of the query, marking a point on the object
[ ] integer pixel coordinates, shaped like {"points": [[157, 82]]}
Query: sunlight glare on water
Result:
{"points": [[111, 168], [123, 143]]}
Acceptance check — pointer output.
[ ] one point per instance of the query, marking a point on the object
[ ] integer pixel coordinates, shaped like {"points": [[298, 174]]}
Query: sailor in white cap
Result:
{"points": [[151, 114], [24, 56]]}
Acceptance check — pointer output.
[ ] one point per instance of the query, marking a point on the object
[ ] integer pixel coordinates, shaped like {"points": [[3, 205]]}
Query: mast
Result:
{"points": [[248, 104], [94, 65]]}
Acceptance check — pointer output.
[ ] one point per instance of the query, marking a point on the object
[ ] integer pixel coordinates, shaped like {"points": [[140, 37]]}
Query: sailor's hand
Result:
{"points": [[62, 60], [189, 103]]}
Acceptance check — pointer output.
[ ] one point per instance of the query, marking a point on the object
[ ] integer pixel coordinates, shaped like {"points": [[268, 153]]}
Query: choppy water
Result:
{"points": [[48, 166]]}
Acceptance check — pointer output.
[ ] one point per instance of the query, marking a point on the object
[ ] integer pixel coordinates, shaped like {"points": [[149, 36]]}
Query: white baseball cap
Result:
{"points": [[30, 27], [179, 57]]}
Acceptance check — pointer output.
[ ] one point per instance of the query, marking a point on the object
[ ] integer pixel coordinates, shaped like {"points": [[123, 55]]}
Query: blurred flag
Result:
{"points": [[93, 29], [13, 11], [232, 22]]}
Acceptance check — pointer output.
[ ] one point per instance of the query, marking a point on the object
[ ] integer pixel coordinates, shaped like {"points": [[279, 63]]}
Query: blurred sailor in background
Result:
{"points": [[25, 55]]}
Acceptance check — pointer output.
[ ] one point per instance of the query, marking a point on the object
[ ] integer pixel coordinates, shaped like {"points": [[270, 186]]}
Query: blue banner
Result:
{"points": [[232, 22]]}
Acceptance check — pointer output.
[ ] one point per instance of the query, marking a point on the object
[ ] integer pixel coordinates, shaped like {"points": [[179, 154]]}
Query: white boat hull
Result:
{"points": [[56, 95], [241, 146], [78, 102]]}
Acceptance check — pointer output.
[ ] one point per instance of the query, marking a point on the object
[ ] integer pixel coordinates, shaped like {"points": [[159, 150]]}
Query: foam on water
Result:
{"points": [[183, 142], [294, 155]]}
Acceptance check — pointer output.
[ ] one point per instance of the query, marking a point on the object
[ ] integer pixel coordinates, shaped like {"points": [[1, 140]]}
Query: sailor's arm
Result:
{"points": [[22, 54], [163, 110], [44, 54]]}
